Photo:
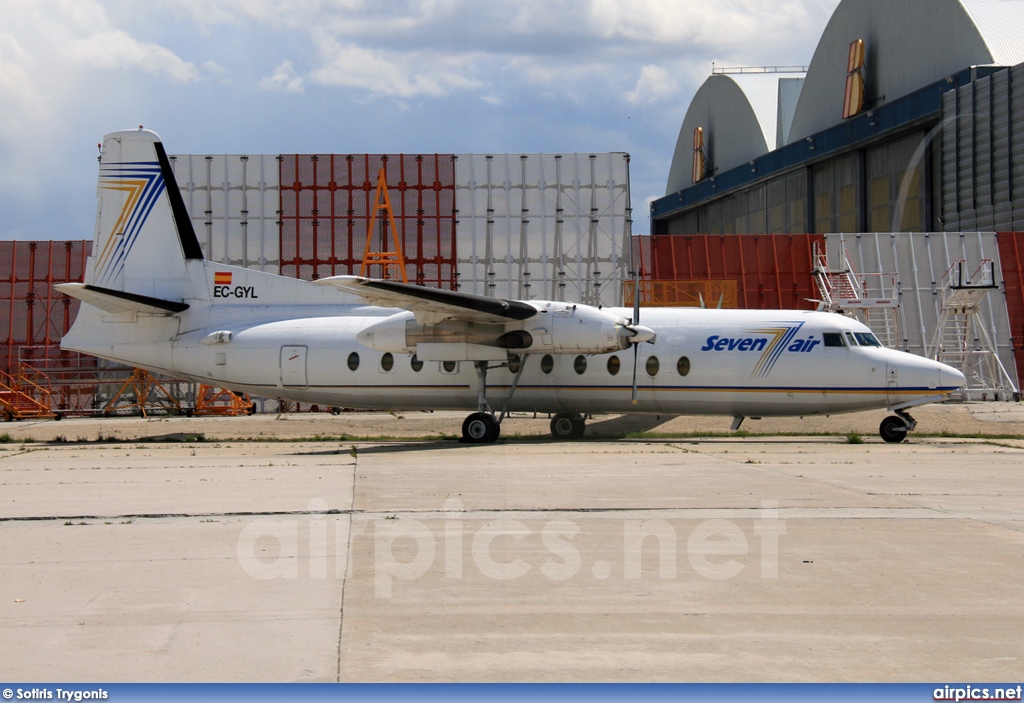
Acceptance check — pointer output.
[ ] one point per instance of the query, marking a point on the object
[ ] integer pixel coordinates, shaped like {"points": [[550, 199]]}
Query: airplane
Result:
{"points": [[153, 301]]}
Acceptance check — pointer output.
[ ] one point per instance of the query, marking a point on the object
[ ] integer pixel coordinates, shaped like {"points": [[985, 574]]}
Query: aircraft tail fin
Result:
{"points": [[139, 204]]}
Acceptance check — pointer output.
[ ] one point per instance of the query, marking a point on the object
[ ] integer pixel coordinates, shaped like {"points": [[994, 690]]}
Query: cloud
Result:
{"points": [[56, 60], [501, 74], [655, 83], [404, 76], [116, 49], [284, 79]]}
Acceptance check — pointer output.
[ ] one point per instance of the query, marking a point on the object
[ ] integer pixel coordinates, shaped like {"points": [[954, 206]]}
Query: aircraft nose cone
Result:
{"points": [[950, 377]]}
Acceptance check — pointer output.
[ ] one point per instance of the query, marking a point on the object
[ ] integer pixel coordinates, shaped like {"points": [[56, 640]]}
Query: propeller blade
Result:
{"points": [[636, 298], [640, 334], [636, 360]]}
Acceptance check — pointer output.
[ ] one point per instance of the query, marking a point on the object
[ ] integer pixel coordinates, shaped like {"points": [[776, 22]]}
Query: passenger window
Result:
{"points": [[850, 339], [683, 365], [653, 366], [547, 363], [449, 366], [613, 365], [832, 339], [353, 361], [387, 362], [580, 364], [416, 363]]}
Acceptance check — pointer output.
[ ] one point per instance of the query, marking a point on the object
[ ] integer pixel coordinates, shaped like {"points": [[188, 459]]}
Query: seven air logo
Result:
{"points": [[136, 187], [770, 341], [222, 287]]}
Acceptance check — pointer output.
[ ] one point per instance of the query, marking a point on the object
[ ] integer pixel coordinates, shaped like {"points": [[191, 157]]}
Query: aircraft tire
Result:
{"points": [[568, 426], [893, 429], [480, 428]]}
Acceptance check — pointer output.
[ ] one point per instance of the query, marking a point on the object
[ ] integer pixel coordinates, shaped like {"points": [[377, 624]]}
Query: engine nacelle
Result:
{"points": [[557, 328]]}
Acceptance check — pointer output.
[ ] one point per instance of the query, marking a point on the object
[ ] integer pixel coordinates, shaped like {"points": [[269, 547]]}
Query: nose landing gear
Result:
{"points": [[895, 427]]}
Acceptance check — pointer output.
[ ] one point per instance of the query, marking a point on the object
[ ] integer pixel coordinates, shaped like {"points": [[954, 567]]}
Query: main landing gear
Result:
{"points": [[895, 427], [482, 427], [568, 426]]}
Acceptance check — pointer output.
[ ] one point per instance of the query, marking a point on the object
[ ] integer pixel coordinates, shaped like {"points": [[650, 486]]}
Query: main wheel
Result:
{"points": [[893, 429], [480, 428], [568, 426]]}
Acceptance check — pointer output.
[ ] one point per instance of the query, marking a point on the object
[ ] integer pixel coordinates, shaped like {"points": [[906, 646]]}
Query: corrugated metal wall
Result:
{"points": [[772, 271], [327, 201], [982, 137]]}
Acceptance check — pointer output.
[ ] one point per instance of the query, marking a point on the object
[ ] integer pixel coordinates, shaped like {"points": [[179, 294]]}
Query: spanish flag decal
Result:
{"points": [[222, 278]]}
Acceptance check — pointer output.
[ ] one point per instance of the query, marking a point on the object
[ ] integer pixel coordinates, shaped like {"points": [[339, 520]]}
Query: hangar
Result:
{"points": [[896, 153]]}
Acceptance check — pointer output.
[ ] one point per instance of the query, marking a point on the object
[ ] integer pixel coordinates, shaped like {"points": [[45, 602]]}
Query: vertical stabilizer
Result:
{"points": [[143, 232]]}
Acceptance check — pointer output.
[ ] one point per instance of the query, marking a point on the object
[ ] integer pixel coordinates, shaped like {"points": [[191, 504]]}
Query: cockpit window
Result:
{"points": [[833, 339], [868, 340], [850, 339]]}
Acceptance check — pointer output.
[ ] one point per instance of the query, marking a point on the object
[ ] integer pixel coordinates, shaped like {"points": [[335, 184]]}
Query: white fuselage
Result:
{"points": [[720, 362]]}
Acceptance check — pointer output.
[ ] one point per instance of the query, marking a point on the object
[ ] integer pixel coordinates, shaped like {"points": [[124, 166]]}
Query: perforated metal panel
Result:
{"points": [[549, 226], [34, 316], [233, 201], [327, 201], [921, 261], [772, 271]]}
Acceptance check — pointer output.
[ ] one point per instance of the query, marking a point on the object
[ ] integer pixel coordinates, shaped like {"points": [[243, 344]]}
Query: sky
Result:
{"points": [[361, 76]]}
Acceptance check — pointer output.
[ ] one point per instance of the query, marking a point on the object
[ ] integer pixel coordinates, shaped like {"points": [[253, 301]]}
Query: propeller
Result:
{"points": [[635, 321], [640, 333]]}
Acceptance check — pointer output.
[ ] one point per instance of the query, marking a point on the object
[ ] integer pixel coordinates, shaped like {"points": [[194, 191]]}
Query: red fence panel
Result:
{"points": [[1011, 257], [32, 314], [772, 271], [327, 200]]}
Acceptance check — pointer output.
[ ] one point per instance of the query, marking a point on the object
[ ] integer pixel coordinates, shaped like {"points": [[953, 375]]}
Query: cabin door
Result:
{"points": [[293, 367]]}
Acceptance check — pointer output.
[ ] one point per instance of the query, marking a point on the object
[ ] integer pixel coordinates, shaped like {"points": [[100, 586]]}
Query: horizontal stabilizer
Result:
{"points": [[431, 305], [117, 301]]}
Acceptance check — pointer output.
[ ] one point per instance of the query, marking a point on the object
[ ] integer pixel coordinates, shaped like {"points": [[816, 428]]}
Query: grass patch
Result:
{"points": [[6, 438], [854, 438]]}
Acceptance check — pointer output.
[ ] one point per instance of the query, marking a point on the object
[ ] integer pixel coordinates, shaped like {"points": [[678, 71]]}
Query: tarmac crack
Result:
{"points": [[751, 512]]}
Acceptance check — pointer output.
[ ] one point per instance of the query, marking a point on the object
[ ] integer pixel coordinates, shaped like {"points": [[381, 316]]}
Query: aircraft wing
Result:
{"points": [[432, 305]]}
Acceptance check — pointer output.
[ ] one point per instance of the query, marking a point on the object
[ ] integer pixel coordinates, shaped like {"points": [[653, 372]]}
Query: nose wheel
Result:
{"points": [[895, 427]]}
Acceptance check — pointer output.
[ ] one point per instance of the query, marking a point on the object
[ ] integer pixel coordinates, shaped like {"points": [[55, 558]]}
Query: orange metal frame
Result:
{"points": [[386, 259]]}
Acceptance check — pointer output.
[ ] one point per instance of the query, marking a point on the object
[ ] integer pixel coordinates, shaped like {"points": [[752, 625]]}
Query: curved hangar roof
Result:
{"points": [[739, 113], [909, 45]]}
